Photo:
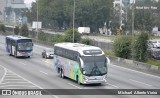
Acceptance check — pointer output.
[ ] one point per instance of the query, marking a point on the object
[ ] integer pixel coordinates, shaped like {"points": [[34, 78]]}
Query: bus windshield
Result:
{"points": [[25, 46], [94, 65]]}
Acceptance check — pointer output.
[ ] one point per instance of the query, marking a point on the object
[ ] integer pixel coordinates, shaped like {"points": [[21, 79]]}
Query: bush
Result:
{"points": [[122, 46], [55, 38], [24, 30], [2, 27], [16, 30], [42, 36], [86, 41], [68, 37], [110, 53], [140, 46]]}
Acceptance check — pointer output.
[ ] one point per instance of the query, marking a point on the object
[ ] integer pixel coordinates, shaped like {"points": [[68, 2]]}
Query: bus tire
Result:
{"points": [[78, 81], [62, 74], [28, 56]]}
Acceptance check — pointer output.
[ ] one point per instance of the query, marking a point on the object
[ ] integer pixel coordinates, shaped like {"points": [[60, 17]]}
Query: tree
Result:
{"points": [[2, 27], [68, 37], [58, 14], [122, 46], [16, 30], [24, 30], [140, 46]]}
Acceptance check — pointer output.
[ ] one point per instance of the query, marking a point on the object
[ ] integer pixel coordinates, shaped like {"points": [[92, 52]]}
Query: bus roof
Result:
{"points": [[78, 47], [16, 37]]}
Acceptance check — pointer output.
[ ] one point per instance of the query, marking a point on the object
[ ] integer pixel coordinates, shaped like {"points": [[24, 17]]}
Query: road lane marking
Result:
{"points": [[23, 63], [74, 85], [48, 62], [14, 82], [43, 72], [17, 86], [20, 77], [135, 71], [5, 72], [112, 85], [140, 82], [34, 85], [11, 79]]}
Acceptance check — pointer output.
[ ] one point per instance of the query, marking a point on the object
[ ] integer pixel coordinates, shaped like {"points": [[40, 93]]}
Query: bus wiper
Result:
{"points": [[98, 69], [95, 66], [92, 71]]}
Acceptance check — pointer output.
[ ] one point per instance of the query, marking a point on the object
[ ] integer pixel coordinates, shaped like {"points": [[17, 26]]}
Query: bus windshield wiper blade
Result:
{"points": [[91, 71]]}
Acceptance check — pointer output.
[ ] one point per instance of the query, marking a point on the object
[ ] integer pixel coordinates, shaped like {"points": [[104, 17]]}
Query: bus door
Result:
{"points": [[13, 47]]}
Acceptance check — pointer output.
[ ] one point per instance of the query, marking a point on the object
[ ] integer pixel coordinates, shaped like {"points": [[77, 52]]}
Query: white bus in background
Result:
{"points": [[82, 63], [84, 30]]}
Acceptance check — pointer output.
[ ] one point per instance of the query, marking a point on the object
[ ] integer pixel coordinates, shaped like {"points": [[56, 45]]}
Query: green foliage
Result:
{"points": [[152, 62], [16, 30], [42, 36], [50, 38], [110, 53], [24, 30], [58, 13], [86, 41], [140, 47], [68, 37], [122, 46], [2, 27], [55, 38]]}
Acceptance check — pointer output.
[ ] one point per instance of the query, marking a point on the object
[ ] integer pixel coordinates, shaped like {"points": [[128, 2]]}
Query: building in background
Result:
{"points": [[10, 10]]}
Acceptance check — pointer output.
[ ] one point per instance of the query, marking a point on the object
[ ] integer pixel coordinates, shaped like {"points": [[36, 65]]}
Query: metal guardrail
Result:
{"points": [[135, 64]]}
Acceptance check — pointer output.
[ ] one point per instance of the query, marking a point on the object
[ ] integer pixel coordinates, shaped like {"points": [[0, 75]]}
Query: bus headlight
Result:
{"points": [[105, 77], [85, 78]]}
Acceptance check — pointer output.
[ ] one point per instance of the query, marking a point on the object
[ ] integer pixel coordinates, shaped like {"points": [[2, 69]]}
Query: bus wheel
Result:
{"points": [[62, 74], [28, 56], [78, 81]]}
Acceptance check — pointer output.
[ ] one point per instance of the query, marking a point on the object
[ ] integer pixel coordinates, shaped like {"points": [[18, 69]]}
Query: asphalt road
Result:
{"points": [[37, 73]]}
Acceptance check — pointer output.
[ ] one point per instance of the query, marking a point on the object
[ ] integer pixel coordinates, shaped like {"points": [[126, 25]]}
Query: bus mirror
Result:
{"points": [[108, 60], [32, 44]]}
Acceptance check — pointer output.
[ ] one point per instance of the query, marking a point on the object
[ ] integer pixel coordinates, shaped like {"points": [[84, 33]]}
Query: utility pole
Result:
{"points": [[132, 18], [13, 18], [133, 2], [37, 21], [73, 18]]}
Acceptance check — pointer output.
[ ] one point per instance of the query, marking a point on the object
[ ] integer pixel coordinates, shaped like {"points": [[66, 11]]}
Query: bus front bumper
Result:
{"points": [[95, 80]]}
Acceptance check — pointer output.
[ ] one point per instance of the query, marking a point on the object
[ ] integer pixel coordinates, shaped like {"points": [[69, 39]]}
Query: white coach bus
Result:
{"points": [[82, 63]]}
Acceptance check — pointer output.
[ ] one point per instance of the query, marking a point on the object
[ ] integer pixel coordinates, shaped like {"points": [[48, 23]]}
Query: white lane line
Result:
{"points": [[140, 82], [10, 74], [18, 85], [12, 79], [136, 71], [43, 72], [48, 62], [112, 85], [7, 76], [5, 72], [14, 82], [22, 63], [74, 85]]}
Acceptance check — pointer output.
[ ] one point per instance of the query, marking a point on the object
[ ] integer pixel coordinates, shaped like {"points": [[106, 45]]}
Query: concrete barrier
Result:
{"points": [[134, 64]]}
